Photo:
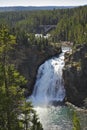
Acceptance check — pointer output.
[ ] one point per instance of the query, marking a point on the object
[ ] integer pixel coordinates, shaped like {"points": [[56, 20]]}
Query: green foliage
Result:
{"points": [[76, 122], [12, 101], [36, 124], [30, 21], [6, 39], [72, 26]]}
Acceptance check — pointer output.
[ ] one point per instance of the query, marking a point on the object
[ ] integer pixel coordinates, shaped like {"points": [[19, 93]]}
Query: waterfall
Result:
{"points": [[49, 83], [49, 88]]}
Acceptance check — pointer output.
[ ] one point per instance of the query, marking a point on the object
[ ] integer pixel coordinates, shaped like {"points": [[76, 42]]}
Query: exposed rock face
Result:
{"points": [[27, 59], [75, 75]]}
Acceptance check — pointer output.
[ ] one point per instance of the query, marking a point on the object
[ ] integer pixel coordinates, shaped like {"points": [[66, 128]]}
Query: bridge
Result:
{"points": [[47, 28]]}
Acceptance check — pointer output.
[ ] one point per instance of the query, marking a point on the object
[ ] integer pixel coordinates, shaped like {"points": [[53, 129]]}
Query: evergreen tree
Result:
{"points": [[12, 101]]}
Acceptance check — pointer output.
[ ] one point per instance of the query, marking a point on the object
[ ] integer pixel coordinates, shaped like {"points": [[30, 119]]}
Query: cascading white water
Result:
{"points": [[49, 87], [49, 83]]}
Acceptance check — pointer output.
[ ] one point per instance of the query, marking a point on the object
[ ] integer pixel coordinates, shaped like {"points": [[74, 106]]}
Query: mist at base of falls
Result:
{"points": [[55, 118]]}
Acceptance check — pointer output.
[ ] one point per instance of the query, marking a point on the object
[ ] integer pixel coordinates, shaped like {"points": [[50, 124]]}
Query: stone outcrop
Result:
{"points": [[27, 59], [75, 75]]}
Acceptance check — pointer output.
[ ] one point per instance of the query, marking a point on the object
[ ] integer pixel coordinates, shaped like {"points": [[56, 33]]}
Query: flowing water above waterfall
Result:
{"points": [[49, 90]]}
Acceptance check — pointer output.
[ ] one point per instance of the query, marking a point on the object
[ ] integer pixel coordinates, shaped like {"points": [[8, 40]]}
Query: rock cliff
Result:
{"points": [[27, 59], [75, 75]]}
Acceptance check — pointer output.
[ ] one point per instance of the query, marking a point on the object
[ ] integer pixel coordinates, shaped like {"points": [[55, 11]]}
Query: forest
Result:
{"points": [[71, 23], [19, 28], [15, 112]]}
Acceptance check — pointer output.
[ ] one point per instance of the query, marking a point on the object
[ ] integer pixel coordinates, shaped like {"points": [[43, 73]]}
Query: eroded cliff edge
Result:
{"points": [[75, 75], [28, 58]]}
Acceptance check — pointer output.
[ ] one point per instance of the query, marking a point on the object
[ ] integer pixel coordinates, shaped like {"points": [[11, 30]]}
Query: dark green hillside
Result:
{"points": [[30, 21], [73, 26], [71, 23]]}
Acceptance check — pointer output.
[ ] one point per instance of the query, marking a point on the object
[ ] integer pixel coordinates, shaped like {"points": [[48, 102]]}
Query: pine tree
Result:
{"points": [[12, 101]]}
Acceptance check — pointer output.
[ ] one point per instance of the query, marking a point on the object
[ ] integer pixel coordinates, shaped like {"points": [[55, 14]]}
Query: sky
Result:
{"points": [[42, 2]]}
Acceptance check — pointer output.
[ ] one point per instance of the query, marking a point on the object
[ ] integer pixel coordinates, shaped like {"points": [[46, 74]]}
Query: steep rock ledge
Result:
{"points": [[27, 59], [75, 75]]}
